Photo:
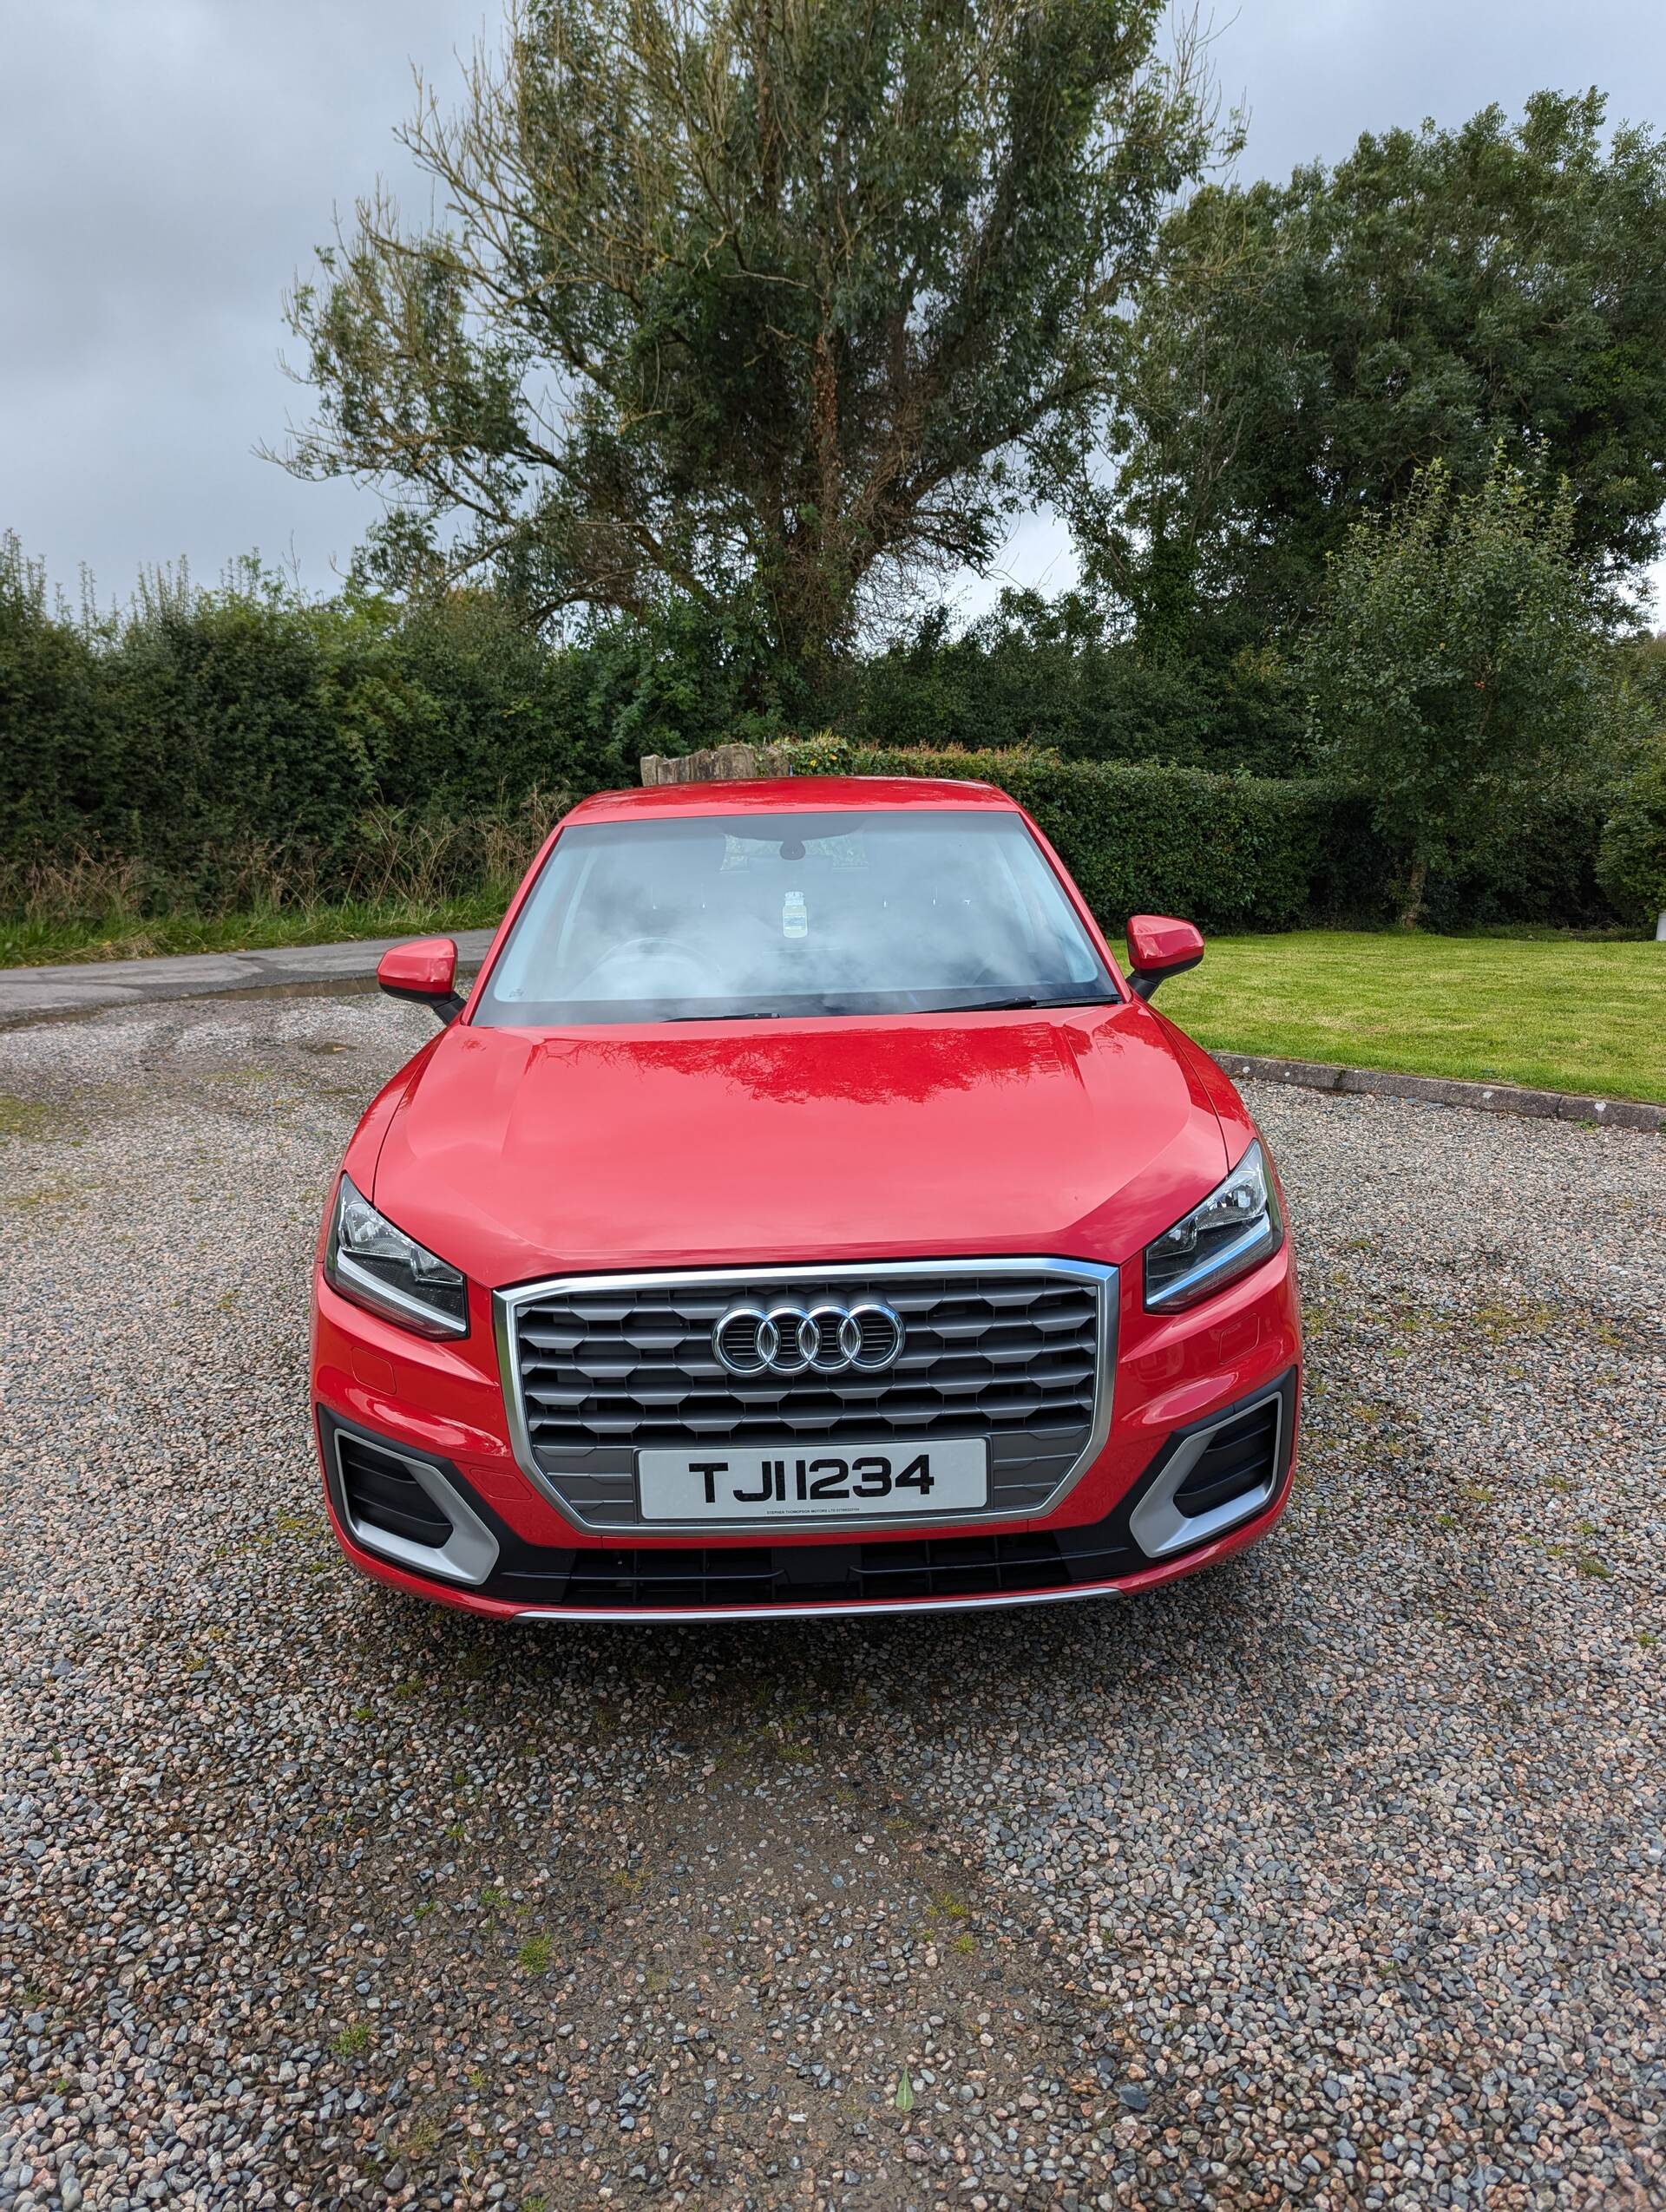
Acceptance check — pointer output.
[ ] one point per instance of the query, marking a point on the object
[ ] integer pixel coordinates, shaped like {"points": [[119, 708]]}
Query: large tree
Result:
{"points": [[771, 300], [1304, 349]]}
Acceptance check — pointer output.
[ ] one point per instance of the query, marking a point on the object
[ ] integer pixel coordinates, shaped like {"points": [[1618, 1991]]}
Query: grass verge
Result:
{"points": [[1555, 1014], [47, 941]]}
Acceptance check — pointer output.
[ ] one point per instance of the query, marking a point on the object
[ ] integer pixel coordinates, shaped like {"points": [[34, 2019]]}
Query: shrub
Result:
{"points": [[52, 752], [212, 749]]}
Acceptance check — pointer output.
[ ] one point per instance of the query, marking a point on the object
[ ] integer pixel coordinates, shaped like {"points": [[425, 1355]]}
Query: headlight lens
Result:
{"points": [[376, 1265], [1237, 1226]]}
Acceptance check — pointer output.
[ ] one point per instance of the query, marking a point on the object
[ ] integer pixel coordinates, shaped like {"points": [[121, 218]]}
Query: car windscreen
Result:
{"points": [[713, 917]]}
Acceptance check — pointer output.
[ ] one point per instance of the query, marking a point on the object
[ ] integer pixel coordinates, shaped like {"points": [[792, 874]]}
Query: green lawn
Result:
{"points": [[1557, 1014]]}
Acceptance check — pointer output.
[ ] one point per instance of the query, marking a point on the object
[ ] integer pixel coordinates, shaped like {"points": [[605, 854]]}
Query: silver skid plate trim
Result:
{"points": [[668, 1615]]}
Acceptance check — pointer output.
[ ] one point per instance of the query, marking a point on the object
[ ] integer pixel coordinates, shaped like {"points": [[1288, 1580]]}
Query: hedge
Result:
{"points": [[1042, 675], [1250, 852], [205, 736], [212, 750], [1229, 852]]}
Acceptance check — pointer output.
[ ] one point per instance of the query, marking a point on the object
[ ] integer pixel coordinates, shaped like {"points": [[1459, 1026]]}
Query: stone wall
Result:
{"points": [[721, 764]]}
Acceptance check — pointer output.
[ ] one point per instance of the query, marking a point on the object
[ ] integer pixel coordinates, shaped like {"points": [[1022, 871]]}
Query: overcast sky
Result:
{"points": [[166, 167]]}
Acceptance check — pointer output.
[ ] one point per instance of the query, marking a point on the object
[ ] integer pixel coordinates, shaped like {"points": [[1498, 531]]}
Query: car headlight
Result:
{"points": [[1237, 1226], [376, 1265]]}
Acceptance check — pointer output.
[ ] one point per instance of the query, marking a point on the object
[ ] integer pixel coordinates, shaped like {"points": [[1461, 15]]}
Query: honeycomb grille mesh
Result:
{"points": [[604, 1371]]}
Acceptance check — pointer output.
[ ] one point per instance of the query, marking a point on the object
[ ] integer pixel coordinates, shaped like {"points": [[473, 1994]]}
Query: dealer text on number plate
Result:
{"points": [[778, 1483]]}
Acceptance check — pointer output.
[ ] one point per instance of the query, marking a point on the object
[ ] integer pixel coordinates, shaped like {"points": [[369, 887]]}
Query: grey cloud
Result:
{"points": [[166, 165]]}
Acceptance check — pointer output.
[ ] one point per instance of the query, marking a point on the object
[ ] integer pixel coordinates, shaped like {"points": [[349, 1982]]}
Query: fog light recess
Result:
{"points": [[404, 1509], [1216, 1477]]}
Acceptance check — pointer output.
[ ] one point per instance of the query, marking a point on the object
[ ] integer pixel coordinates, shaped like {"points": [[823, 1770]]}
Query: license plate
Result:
{"points": [[775, 1483]]}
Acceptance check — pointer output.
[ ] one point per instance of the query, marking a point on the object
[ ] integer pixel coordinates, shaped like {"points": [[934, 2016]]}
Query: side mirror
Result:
{"points": [[425, 971], [1157, 947]]}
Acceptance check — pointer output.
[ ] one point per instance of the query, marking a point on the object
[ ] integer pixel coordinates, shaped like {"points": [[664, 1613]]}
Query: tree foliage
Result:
{"points": [[1631, 859], [1037, 671], [1459, 669], [1306, 349], [777, 300]]}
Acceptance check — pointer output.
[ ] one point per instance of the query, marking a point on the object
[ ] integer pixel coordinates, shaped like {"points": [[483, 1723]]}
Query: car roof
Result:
{"points": [[795, 795]]}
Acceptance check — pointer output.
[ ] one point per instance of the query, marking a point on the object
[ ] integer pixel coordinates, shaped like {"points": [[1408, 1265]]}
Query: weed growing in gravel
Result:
{"points": [[353, 2041], [536, 1955], [24, 1117], [1500, 1318], [419, 2141], [1599, 1568], [75, 1201]]}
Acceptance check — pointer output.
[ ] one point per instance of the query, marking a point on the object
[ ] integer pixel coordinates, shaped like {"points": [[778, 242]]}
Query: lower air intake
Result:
{"points": [[381, 1493], [1240, 1457]]}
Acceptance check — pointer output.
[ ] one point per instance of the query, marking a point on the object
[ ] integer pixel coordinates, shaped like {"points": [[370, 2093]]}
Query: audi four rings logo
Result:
{"points": [[826, 1339]]}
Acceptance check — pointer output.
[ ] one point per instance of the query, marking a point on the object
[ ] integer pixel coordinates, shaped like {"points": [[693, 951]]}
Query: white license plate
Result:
{"points": [[779, 1482]]}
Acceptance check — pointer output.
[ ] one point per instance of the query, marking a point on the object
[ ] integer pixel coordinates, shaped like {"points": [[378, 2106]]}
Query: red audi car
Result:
{"points": [[801, 1215]]}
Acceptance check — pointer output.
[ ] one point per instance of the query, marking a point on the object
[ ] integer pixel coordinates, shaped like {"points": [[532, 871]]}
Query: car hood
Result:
{"points": [[1075, 1134]]}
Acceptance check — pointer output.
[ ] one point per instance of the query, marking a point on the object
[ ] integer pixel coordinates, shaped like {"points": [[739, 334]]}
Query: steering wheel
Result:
{"points": [[637, 947]]}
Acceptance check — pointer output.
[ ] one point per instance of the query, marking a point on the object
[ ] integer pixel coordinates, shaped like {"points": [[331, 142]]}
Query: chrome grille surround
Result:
{"points": [[576, 1429]]}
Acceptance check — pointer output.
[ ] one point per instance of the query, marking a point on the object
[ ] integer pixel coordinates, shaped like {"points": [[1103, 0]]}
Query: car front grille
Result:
{"points": [[1014, 1352]]}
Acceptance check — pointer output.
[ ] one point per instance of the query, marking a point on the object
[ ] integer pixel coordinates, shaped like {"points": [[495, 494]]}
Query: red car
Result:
{"points": [[801, 1215]]}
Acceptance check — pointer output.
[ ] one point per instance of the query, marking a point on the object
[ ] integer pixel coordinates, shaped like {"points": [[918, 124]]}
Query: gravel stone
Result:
{"points": [[1331, 1878]]}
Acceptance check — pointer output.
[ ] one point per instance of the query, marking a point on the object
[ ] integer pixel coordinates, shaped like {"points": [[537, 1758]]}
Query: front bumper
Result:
{"points": [[477, 1534], [412, 1519]]}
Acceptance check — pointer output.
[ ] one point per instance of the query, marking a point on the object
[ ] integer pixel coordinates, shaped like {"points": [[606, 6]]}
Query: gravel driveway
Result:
{"points": [[1335, 1878]]}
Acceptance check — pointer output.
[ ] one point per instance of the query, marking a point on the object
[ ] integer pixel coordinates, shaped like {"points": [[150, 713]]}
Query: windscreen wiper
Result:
{"points": [[1014, 1006]]}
